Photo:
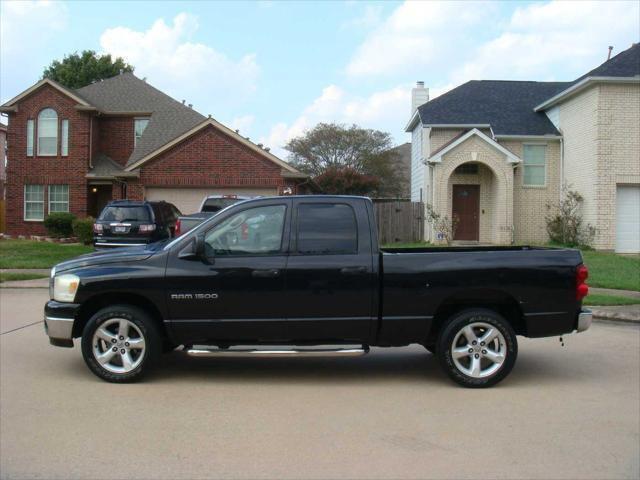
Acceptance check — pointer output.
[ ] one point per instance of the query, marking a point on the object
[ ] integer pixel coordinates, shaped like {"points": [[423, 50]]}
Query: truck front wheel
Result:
{"points": [[477, 348], [120, 343]]}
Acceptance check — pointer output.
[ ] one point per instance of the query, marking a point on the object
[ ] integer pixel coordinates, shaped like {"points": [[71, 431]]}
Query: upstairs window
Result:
{"points": [[48, 132], [58, 198], [30, 138], [140, 124], [64, 140], [535, 165]]}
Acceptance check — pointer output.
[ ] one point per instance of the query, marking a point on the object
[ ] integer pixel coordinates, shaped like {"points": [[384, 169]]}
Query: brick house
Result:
{"points": [[74, 150], [496, 153], [3, 158]]}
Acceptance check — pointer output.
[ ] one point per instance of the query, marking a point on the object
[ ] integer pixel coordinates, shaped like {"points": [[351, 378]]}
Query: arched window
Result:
{"points": [[48, 132]]}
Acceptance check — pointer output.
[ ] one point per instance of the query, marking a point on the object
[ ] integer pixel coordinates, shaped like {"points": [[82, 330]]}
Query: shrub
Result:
{"points": [[564, 221], [444, 228], [59, 224], [83, 229], [347, 181]]}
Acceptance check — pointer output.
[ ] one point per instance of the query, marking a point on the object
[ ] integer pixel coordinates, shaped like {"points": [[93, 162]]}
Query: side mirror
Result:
{"points": [[195, 249]]}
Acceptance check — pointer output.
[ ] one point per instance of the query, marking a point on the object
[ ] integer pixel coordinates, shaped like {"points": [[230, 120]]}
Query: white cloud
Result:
{"points": [[243, 123], [378, 110], [370, 17], [416, 34], [542, 40], [25, 25], [185, 69]]}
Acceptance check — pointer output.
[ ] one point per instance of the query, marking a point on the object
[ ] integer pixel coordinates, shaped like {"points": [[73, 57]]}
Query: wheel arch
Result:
{"points": [[496, 300], [93, 304]]}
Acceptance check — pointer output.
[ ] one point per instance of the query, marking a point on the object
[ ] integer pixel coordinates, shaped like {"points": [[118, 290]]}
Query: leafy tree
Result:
{"points": [[77, 70], [346, 181], [341, 151]]}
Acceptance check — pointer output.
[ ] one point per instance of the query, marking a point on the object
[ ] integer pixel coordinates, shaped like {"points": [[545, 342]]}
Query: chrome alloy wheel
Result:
{"points": [[118, 345], [479, 350]]}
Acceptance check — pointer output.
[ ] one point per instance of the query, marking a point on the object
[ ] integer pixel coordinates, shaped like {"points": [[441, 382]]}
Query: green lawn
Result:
{"points": [[608, 270], [31, 254], [13, 276], [602, 300]]}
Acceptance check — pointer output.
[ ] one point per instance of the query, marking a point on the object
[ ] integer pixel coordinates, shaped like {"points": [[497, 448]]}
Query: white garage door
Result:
{"points": [[188, 200], [628, 220]]}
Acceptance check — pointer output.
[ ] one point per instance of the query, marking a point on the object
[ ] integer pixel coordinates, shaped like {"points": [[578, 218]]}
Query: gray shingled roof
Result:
{"points": [[127, 93], [505, 105], [508, 105], [624, 64], [105, 167]]}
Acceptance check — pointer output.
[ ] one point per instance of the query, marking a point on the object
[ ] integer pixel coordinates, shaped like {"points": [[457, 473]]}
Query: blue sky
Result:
{"points": [[274, 69]]}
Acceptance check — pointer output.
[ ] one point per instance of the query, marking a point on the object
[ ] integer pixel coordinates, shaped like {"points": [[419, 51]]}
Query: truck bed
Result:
{"points": [[420, 285]]}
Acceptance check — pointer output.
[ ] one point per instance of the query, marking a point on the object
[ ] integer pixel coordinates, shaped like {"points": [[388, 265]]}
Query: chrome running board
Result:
{"points": [[294, 352]]}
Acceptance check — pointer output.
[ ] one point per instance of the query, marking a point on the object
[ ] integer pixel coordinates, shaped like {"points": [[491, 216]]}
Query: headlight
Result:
{"points": [[65, 287]]}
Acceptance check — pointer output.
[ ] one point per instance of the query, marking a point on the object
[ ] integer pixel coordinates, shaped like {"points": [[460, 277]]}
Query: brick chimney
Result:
{"points": [[419, 96]]}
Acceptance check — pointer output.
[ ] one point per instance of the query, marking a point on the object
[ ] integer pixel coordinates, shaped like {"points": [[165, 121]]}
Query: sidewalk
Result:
{"points": [[619, 293]]}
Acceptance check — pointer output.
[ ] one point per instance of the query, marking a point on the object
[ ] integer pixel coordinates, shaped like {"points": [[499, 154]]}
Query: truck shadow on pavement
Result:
{"points": [[395, 365], [381, 365]]}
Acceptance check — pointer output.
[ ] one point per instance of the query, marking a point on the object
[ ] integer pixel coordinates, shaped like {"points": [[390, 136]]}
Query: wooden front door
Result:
{"points": [[466, 207]]}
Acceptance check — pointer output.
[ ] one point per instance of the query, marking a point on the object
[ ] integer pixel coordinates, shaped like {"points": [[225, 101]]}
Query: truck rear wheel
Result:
{"points": [[120, 343], [477, 348]]}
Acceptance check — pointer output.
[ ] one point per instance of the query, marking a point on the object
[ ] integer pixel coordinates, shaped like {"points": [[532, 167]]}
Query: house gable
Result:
{"points": [[436, 157], [12, 105], [232, 136], [210, 158]]}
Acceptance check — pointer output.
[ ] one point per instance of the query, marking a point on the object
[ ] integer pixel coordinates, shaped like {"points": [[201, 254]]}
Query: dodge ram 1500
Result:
{"points": [[302, 272]]}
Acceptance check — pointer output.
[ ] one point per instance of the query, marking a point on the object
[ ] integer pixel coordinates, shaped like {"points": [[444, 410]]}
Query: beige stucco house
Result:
{"points": [[494, 154]]}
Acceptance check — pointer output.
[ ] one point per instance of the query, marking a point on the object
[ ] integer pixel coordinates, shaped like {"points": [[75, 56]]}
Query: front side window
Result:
{"points": [[58, 198], [327, 229], [64, 140], [34, 202], [48, 132], [255, 231], [534, 165], [140, 124], [30, 138]]}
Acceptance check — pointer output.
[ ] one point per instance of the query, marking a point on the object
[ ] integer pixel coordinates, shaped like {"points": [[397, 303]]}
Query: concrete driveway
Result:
{"points": [[569, 412]]}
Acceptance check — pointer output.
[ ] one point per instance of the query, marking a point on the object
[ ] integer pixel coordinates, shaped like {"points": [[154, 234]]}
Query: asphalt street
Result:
{"points": [[564, 412]]}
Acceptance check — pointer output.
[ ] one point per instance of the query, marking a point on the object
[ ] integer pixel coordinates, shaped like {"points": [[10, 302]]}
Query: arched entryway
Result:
{"points": [[475, 183]]}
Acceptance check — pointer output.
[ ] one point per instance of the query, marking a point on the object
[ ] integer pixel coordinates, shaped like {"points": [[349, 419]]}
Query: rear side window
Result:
{"points": [[327, 229], [217, 204], [126, 214]]}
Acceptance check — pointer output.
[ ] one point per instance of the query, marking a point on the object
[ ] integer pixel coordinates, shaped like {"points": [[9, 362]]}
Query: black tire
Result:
{"points": [[148, 331], [454, 326]]}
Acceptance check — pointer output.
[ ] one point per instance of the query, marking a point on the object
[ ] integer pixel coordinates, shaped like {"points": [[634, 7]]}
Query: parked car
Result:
{"points": [[209, 207], [126, 223], [308, 271]]}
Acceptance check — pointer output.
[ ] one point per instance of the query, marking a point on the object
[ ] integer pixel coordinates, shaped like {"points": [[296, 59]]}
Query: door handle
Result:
{"points": [[353, 270], [268, 273]]}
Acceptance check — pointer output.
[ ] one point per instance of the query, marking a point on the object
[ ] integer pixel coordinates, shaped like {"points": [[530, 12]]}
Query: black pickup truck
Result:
{"points": [[307, 272]]}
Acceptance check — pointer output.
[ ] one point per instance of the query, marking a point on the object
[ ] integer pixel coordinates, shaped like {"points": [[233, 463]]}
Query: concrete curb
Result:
{"points": [[35, 283], [627, 316]]}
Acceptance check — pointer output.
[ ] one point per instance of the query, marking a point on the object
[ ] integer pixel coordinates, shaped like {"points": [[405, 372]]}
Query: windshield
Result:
{"points": [[126, 214], [217, 204]]}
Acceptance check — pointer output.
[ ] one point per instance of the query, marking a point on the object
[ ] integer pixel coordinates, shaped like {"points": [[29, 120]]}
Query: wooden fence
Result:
{"points": [[399, 220]]}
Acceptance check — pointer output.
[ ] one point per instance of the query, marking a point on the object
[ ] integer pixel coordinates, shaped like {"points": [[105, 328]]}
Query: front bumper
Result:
{"points": [[58, 322], [585, 317]]}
